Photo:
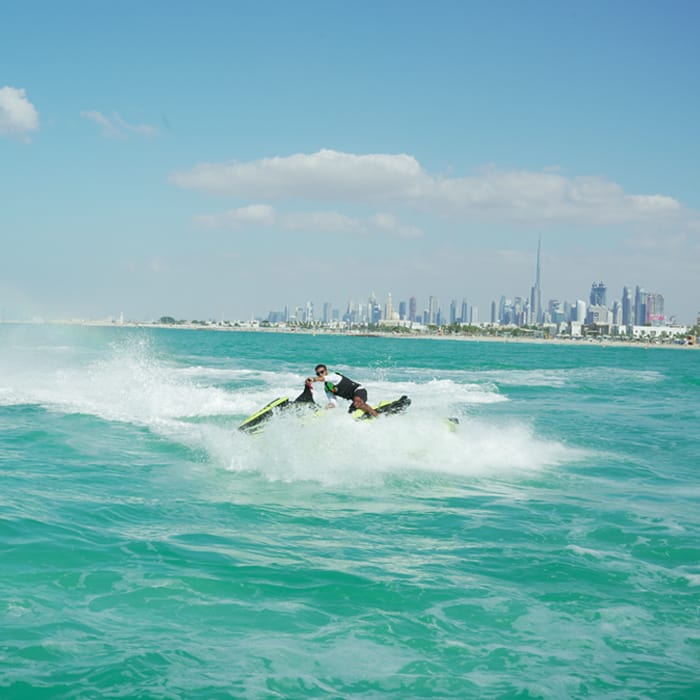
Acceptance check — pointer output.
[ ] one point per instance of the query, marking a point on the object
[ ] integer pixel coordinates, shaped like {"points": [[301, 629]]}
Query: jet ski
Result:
{"points": [[305, 401]]}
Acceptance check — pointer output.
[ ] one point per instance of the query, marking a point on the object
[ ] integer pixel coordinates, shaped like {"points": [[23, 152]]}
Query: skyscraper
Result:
{"points": [[640, 307], [627, 307], [433, 307], [655, 309], [453, 311], [617, 313], [598, 294], [536, 300], [580, 311], [350, 313]]}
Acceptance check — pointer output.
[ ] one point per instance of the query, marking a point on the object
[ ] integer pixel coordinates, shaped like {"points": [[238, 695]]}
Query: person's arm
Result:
{"points": [[317, 379], [332, 401], [333, 378]]}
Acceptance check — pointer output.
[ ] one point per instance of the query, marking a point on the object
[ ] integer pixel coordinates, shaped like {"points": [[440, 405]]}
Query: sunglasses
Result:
{"points": [[320, 372]]}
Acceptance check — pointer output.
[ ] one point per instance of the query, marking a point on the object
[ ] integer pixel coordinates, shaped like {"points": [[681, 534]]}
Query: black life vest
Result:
{"points": [[345, 387]]}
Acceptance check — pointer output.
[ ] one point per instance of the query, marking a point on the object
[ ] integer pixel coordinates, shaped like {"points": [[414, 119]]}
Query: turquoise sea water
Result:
{"points": [[547, 548]]}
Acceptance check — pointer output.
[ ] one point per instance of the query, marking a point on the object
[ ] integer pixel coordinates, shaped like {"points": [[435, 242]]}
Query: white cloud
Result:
{"points": [[115, 127], [322, 221], [254, 214], [390, 224], [492, 195], [331, 222], [18, 116], [325, 175], [158, 265], [538, 197]]}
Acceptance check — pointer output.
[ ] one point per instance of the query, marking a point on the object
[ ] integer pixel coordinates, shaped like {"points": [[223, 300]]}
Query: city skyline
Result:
{"points": [[156, 159], [647, 308]]}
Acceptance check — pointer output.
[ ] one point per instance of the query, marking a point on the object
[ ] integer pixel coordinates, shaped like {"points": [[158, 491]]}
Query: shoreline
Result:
{"points": [[577, 342]]}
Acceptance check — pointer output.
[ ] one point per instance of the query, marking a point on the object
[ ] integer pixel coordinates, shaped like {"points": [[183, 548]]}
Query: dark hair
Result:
{"points": [[318, 367]]}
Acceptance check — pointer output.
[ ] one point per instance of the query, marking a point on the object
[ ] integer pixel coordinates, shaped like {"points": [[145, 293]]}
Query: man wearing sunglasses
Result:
{"points": [[337, 384]]}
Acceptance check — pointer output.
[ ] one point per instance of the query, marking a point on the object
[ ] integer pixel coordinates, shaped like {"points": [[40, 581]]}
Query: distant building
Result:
{"points": [[640, 307], [627, 307], [504, 311], [556, 311], [655, 309], [617, 313], [433, 307], [453, 311], [598, 294], [536, 291], [412, 309], [599, 315], [389, 308], [657, 331]]}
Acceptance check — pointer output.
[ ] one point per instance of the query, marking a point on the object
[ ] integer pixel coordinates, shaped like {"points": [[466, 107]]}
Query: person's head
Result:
{"points": [[321, 370]]}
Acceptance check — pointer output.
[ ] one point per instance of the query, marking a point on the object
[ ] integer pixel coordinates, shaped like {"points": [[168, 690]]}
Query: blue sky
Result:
{"points": [[224, 159]]}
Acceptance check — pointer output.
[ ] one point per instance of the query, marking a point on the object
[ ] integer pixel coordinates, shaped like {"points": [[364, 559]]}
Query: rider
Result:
{"points": [[337, 384]]}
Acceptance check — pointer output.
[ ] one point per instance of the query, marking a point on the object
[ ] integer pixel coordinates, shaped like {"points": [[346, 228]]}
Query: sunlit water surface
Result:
{"points": [[547, 547]]}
